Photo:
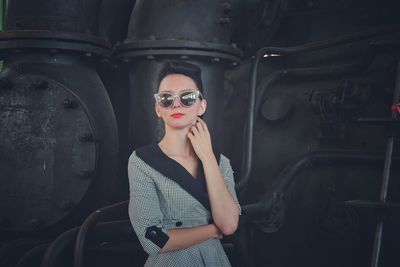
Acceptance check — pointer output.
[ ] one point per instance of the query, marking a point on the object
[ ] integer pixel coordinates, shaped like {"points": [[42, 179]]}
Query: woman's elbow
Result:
{"points": [[229, 227], [228, 224]]}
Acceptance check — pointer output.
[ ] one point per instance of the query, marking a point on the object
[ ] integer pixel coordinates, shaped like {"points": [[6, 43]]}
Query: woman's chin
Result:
{"points": [[180, 124]]}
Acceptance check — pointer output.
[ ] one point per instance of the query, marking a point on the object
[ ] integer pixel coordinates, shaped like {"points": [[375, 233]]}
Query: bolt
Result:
{"points": [[86, 137], [54, 27], [68, 103], [227, 7], [66, 205], [19, 24], [33, 223], [86, 174], [235, 64], [265, 23], [39, 85], [223, 21], [6, 84]]}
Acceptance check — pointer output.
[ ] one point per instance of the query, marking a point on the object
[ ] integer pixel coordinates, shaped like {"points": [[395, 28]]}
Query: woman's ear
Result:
{"points": [[157, 109], [203, 107]]}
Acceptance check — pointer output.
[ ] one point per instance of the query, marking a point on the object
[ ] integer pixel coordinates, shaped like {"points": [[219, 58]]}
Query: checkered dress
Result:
{"points": [[159, 203]]}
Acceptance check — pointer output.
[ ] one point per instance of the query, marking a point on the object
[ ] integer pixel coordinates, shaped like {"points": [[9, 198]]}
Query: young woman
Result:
{"points": [[182, 196]]}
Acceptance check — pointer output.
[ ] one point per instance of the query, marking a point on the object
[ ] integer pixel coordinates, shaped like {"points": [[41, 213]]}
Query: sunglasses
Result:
{"points": [[186, 97]]}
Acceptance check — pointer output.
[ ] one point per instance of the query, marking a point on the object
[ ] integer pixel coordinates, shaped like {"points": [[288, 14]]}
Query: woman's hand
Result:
{"points": [[200, 138], [217, 233]]}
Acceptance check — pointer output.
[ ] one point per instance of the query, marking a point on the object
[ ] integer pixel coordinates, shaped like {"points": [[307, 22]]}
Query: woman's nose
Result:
{"points": [[176, 103]]}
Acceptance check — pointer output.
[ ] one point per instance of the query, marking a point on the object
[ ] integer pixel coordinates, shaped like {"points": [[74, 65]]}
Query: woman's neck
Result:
{"points": [[176, 143]]}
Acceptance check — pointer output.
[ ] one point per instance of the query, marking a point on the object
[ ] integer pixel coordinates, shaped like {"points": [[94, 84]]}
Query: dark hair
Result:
{"points": [[182, 67]]}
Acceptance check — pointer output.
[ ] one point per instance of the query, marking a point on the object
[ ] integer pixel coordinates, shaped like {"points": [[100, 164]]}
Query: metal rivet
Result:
{"points": [[19, 24], [226, 7], [86, 174], [86, 137], [40, 85], [223, 21], [68, 103], [66, 205], [33, 223]]}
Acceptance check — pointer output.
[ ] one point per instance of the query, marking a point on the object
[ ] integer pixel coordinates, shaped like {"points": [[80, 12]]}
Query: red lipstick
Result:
{"points": [[177, 115]]}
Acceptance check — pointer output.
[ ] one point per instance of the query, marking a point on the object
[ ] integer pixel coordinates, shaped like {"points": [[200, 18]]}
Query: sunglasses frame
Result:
{"points": [[158, 98]]}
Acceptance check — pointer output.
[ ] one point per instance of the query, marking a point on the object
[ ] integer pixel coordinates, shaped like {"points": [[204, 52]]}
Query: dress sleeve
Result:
{"points": [[227, 172], [144, 210]]}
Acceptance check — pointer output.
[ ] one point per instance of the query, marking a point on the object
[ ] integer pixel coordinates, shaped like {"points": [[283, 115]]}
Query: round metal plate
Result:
{"points": [[48, 152]]}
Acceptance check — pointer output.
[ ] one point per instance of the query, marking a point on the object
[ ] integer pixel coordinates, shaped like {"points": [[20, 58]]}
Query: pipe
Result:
{"points": [[26, 259], [110, 231], [18, 244], [255, 102], [291, 171], [386, 175], [59, 245], [90, 222], [245, 173]]}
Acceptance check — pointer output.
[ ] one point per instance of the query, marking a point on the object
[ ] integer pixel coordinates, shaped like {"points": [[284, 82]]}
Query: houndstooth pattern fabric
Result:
{"points": [[156, 200]]}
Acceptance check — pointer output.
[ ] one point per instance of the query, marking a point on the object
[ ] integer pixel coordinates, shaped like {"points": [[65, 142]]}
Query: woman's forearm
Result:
{"points": [[224, 209], [185, 237]]}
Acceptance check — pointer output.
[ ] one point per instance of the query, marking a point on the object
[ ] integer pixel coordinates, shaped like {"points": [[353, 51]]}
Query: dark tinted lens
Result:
{"points": [[188, 98], [166, 100]]}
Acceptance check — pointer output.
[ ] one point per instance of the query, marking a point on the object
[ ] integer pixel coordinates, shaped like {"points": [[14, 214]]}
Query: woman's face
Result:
{"points": [[177, 115]]}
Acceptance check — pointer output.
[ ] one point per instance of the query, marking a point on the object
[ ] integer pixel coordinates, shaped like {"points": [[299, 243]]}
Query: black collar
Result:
{"points": [[156, 158]]}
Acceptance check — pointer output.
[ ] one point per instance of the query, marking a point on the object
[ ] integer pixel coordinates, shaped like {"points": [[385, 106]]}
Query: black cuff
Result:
{"points": [[156, 235]]}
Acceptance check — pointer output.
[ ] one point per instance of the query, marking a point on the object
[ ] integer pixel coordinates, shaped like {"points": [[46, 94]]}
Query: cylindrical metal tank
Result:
{"points": [[59, 138], [193, 31], [79, 16]]}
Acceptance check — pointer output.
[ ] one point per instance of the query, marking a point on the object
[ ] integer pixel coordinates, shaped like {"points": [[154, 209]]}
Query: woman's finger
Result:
{"points": [[203, 123], [199, 126], [194, 130]]}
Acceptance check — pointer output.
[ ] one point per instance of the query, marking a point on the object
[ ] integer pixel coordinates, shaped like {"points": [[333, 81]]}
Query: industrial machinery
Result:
{"points": [[303, 97]]}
